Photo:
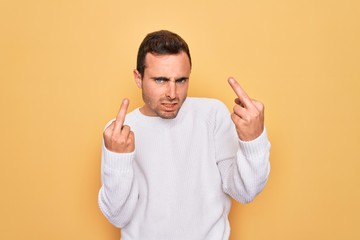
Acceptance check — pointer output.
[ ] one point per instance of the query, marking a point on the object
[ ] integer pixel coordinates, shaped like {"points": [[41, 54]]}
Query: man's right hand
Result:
{"points": [[118, 137]]}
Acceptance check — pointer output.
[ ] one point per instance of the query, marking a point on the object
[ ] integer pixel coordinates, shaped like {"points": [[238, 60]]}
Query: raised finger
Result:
{"points": [[120, 118], [242, 95]]}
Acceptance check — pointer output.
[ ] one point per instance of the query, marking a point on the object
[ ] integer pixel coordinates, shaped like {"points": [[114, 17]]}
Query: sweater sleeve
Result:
{"points": [[118, 194], [244, 166]]}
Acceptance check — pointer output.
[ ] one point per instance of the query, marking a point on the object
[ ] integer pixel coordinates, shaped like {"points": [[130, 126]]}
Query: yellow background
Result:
{"points": [[66, 65]]}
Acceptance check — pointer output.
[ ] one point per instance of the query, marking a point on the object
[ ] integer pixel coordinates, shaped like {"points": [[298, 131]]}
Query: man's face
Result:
{"points": [[164, 84]]}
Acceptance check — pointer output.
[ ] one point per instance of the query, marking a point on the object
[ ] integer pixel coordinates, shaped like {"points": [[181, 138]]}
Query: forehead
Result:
{"points": [[167, 64]]}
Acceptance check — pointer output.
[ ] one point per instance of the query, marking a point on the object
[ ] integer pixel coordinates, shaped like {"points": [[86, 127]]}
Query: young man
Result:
{"points": [[169, 167]]}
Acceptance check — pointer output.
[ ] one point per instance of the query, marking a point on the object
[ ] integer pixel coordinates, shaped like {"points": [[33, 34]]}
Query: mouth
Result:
{"points": [[169, 107]]}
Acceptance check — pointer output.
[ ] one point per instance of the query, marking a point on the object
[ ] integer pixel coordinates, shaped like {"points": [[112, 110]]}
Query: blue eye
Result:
{"points": [[181, 81], [159, 81]]}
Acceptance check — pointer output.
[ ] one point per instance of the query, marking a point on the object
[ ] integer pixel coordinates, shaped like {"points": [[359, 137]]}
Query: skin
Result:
{"points": [[248, 114], [164, 84], [164, 89], [117, 136]]}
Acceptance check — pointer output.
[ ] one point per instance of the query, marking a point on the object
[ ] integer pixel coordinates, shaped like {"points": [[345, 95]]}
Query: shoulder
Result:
{"points": [[207, 109], [132, 116], [205, 105]]}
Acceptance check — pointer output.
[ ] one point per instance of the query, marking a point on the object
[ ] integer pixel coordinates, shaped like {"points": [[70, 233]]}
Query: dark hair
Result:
{"points": [[160, 42]]}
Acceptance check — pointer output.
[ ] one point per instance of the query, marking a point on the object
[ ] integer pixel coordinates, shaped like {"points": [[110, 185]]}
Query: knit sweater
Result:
{"points": [[176, 184]]}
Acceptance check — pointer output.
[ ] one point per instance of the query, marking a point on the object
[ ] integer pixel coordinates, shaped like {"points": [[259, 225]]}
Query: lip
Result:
{"points": [[169, 106]]}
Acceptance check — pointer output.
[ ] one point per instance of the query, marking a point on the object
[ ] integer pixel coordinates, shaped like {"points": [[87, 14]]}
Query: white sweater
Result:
{"points": [[176, 184]]}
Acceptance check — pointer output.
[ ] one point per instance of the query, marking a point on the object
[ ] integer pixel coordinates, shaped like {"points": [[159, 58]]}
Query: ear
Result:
{"points": [[137, 78]]}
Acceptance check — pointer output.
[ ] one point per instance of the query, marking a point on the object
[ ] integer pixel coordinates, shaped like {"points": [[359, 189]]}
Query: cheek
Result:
{"points": [[152, 92], [183, 91]]}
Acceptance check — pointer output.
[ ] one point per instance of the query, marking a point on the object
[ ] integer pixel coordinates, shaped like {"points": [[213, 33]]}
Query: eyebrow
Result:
{"points": [[168, 79], [161, 78]]}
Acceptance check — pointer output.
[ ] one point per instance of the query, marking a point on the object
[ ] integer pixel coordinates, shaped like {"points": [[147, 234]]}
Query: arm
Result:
{"points": [[245, 175], [119, 193]]}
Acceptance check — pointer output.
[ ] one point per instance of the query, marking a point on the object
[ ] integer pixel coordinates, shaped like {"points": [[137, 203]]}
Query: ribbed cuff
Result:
{"points": [[118, 161], [255, 148]]}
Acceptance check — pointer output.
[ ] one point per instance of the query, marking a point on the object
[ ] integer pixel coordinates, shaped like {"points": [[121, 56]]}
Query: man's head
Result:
{"points": [[163, 70], [161, 42]]}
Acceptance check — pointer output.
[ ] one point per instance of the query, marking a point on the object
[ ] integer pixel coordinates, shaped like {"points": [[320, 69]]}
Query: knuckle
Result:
{"points": [[108, 130], [248, 118], [107, 134], [236, 108], [261, 106], [114, 138], [126, 128], [255, 115], [233, 116], [236, 119], [121, 140]]}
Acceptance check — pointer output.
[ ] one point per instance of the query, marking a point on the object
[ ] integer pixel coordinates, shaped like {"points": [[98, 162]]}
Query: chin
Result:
{"points": [[168, 115]]}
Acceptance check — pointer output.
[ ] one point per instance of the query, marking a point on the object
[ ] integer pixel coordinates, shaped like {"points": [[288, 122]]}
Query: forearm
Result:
{"points": [[119, 192], [245, 177]]}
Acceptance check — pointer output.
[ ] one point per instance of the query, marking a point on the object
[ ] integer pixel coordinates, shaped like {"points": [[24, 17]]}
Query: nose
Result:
{"points": [[171, 91]]}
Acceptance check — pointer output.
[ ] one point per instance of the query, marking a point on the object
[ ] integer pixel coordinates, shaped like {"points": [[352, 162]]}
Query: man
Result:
{"points": [[169, 167]]}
